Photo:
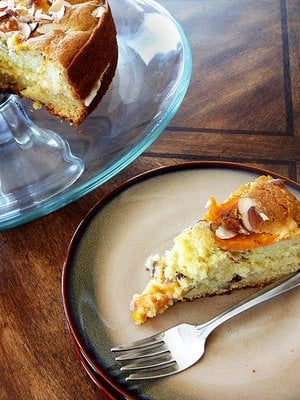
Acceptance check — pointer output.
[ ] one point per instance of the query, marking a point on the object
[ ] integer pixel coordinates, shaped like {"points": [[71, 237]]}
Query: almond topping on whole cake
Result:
{"points": [[249, 240], [61, 54]]}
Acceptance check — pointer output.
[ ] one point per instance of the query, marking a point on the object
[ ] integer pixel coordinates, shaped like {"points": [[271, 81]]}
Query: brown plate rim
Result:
{"points": [[74, 334]]}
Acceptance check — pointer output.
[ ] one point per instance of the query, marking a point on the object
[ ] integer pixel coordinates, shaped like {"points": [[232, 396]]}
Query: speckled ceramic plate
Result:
{"points": [[254, 356]]}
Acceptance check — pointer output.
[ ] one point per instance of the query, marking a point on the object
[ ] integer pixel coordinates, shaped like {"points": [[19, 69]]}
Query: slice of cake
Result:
{"points": [[251, 239], [61, 54]]}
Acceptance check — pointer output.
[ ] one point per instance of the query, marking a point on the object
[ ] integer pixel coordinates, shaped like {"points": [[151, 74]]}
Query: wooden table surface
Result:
{"points": [[243, 104]]}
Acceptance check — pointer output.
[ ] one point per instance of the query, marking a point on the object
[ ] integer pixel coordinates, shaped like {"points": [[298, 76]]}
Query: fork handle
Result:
{"points": [[283, 285]]}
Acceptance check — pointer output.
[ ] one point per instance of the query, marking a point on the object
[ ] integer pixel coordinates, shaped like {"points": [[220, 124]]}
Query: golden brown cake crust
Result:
{"points": [[82, 41], [263, 207], [272, 197]]}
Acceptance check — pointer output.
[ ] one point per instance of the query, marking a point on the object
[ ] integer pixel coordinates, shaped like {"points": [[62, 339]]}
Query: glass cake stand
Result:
{"points": [[46, 163], [35, 165]]}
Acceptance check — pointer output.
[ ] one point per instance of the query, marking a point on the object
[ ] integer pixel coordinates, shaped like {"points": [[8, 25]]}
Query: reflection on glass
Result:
{"points": [[35, 163]]}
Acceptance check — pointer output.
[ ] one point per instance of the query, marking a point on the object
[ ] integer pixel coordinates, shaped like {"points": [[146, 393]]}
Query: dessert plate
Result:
{"points": [[256, 355], [153, 74]]}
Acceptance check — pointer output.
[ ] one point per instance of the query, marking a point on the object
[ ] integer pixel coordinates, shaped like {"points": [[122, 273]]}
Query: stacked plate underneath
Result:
{"points": [[255, 355]]}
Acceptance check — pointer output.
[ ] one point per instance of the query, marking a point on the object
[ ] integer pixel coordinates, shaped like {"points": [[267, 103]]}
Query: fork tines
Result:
{"points": [[150, 342], [144, 357]]}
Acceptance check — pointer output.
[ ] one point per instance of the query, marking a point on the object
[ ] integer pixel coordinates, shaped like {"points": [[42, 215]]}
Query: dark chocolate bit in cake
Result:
{"points": [[236, 278], [151, 268], [180, 275]]}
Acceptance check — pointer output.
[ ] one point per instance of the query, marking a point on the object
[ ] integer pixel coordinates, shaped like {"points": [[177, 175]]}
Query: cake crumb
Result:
{"points": [[37, 105]]}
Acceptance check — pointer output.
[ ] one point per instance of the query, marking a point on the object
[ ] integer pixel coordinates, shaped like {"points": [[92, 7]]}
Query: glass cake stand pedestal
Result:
{"points": [[35, 164]]}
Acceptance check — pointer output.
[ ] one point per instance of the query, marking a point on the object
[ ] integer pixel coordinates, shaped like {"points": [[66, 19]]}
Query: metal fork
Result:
{"points": [[178, 348]]}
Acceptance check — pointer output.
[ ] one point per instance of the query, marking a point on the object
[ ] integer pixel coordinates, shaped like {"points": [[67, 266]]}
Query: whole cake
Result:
{"points": [[61, 54], [251, 239]]}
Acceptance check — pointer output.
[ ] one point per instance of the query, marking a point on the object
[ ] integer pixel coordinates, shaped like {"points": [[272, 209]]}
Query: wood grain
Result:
{"points": [[243, 104]]}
